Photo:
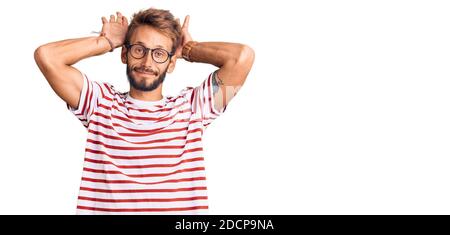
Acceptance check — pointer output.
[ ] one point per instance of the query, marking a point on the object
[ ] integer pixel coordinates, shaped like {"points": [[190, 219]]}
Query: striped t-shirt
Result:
{"points": [[144, 157]]}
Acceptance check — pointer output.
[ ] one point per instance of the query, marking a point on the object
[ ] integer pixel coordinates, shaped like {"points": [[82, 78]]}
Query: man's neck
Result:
{"points": [[154, 95]]}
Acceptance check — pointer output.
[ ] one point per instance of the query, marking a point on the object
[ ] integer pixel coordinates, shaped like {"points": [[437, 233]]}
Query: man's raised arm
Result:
{"points": [[234, 61], [55, 59]]}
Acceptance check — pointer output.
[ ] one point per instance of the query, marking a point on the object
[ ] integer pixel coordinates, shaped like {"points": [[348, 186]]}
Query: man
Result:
{"points": [[144, 150]]}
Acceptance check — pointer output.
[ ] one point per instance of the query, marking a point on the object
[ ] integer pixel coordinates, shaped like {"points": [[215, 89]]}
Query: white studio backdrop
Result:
{"points": [[346, 110]]}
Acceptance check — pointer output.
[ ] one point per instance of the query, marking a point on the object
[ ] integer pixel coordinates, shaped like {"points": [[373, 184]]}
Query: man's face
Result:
{"points": [[145, 74]]}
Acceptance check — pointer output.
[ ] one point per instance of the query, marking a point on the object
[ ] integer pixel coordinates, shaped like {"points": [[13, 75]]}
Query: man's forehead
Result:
{"points": [[152, 46], [150, 37]]}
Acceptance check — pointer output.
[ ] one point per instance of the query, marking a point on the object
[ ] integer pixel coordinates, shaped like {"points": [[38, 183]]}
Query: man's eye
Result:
{"points": [[159, 53]]}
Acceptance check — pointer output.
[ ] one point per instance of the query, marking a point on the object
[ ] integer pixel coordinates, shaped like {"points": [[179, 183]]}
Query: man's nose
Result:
{"points": [[148, 60]]}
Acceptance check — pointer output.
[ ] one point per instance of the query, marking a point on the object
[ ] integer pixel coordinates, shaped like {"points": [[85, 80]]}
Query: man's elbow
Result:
{"points": [[45, 58], [246, 56], [41, 55], [241, 65]]}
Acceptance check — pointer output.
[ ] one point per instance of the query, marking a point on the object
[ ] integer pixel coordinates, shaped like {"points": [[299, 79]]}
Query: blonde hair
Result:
{"points": [[161, 20]]}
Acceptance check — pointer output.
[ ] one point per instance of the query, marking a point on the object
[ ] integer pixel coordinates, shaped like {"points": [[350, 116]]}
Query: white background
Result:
{"points": [[346, 110]]}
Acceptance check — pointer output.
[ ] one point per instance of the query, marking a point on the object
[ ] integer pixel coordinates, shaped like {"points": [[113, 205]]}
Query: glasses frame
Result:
{"points": [[146, 50]]}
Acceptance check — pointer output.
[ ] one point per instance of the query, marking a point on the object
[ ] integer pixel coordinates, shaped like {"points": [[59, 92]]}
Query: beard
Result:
{"points": [[142, 85]]}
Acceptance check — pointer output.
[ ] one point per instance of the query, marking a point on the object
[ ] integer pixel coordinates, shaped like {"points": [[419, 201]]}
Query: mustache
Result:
{"points": [[144, 69]]}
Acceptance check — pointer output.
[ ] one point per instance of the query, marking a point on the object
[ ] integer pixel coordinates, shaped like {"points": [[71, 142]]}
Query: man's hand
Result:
{"points": [[185, 36], [115, 29], [55, 59]]}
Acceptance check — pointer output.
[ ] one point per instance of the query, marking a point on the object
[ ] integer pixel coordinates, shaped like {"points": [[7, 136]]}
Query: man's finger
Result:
{"points": [[119, 17], [125, 20], [112, 18], [104, 20], [186, 22]]}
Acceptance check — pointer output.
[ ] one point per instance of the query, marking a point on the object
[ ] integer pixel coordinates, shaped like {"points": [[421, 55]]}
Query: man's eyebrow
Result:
{"points": [[157, 46]]}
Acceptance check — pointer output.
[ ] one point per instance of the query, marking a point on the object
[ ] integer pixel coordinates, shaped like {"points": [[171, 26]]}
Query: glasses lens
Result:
{"points": [[137, 51], [160, 55]]}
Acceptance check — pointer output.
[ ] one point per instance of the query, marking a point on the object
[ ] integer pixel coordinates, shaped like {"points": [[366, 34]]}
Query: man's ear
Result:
{"points": [[172, 64], [123, 55]]}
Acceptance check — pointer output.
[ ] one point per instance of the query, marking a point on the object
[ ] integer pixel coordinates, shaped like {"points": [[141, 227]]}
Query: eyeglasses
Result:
{"points": [[138, 51]]}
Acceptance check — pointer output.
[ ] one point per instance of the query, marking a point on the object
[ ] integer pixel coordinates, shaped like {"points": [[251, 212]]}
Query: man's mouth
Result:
{"points": [[148, 73]]}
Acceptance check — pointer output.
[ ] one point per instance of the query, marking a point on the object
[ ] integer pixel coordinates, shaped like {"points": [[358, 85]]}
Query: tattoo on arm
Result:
{"points": [[216, 82]]}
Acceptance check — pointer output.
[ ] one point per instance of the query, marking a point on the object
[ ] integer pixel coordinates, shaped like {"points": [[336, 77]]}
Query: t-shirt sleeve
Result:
{"points": [[90, 94], [202, 101]]}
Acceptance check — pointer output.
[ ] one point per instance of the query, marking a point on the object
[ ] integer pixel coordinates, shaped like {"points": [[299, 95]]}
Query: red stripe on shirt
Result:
{"points": [[137, 157], [143, 175], [143, 148], [183, 137], [149, 183], [143, 209], [146, 132], [142, 190], [143, 166], [181, 199]]}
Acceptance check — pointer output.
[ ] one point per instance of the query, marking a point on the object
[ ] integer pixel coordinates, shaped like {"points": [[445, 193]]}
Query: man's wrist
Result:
{"points": [[187, 49], [109, 41]]}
